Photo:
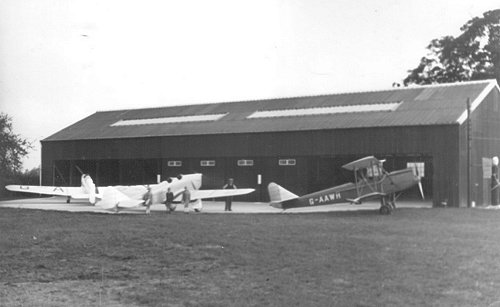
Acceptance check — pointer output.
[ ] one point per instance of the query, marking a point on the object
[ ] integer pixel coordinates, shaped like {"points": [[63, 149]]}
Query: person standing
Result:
{"points": [[229, 200], [169, 202], [495, 183], [148, 200], [186, 198]]}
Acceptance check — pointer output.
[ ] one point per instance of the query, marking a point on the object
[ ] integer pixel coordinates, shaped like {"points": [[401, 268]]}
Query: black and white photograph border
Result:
{"points": [[249, 153]]}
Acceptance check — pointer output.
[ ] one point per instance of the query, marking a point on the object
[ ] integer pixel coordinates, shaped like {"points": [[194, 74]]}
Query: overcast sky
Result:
{"points": [[62, 60]]}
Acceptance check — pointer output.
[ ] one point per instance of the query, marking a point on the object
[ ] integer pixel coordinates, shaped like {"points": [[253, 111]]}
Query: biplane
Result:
{"points": [[372, 181], [126, 197]]}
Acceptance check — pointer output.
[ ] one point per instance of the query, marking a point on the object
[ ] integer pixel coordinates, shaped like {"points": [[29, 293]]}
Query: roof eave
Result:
{"points": [[493, 84]]}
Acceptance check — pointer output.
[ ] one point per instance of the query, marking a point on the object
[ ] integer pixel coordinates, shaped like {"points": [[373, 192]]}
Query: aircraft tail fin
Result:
{"points": [[278, 194]]}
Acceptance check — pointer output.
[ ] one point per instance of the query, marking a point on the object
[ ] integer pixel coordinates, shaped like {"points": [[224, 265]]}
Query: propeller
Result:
{"points": [[419, 183], [421, 189], [79, 169], [179, 176], [169, 180]]}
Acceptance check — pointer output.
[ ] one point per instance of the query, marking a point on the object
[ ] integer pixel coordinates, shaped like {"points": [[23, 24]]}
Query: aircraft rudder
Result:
{"points": [[278, 194]]}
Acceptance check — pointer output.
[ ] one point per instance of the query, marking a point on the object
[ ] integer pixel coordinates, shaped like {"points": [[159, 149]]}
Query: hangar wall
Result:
{"points": [[318, 156], [485, 143]]}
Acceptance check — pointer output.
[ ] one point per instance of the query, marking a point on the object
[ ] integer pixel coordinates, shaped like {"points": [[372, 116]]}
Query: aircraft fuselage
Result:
{"points": [[386, 184]]}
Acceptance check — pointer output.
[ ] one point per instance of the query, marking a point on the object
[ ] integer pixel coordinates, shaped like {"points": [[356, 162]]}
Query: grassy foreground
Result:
{"points": [[444, 257]]}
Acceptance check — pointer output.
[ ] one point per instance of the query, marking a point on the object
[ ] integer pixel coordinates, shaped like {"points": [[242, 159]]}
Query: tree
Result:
{"points": [[12, 148], [29, 177], [473, 55]]}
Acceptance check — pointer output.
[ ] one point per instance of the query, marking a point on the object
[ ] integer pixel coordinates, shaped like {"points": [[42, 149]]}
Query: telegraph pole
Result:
{"points": [[469, 147]]}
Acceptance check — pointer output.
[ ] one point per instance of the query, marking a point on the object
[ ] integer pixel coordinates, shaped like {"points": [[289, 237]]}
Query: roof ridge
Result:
{"points": [[414, 86]]}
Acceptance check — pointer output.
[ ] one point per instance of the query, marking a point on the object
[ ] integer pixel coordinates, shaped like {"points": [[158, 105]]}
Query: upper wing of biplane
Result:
{"points": [[361, 163], [73, 192]]}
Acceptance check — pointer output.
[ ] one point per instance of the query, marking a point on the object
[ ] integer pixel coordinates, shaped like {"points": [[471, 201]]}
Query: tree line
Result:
{"points": [[473, 55]]}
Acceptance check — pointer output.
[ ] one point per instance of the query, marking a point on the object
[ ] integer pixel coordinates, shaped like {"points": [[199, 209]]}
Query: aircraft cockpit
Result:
{"points": [[375, 171], [368, 172]]}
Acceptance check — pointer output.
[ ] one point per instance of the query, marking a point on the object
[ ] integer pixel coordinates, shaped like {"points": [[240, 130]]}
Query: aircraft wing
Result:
{"points": [[358, 200], [361, 163], [74, 192], [202, 194], [133, 191]]}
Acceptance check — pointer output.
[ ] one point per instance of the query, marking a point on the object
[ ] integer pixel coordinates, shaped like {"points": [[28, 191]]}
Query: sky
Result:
{"points": [[63, 60]]}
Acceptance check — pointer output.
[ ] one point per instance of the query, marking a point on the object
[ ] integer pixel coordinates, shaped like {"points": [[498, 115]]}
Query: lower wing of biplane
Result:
{"points": [[359, 200]]}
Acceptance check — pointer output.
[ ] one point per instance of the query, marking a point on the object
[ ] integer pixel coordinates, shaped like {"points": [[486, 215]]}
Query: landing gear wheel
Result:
{"points": [[68, 199], [385, 206], [393, 204], [392, 201], [385, 210]]}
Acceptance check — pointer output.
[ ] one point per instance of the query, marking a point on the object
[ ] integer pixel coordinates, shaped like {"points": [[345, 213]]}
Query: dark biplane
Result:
{"points": [[372, 181]]}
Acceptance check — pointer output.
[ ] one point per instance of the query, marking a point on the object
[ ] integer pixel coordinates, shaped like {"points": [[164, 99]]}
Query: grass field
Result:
{"points": [[445, 257]]}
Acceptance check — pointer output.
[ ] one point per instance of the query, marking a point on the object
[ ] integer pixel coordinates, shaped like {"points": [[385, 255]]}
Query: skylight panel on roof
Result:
{"points": [[374, 107], [169, 120]]}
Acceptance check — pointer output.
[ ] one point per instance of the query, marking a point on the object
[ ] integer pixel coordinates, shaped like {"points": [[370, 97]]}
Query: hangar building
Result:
{"points": [[299, 142]]}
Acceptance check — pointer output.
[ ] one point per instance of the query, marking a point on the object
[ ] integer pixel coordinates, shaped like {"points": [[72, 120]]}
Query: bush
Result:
{"points": [[27, 177]]}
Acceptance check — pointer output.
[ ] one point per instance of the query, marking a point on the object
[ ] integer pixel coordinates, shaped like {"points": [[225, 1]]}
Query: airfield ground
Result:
{"points": [[415, 257], [59, 204]]}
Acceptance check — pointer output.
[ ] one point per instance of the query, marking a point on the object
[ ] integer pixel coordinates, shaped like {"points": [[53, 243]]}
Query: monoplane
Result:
{"points": [[123, 197], [372, 181]]}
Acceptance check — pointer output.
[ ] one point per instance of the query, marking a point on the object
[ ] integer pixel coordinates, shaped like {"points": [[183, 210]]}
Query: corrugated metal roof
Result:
{"points": [[423, 105]]}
